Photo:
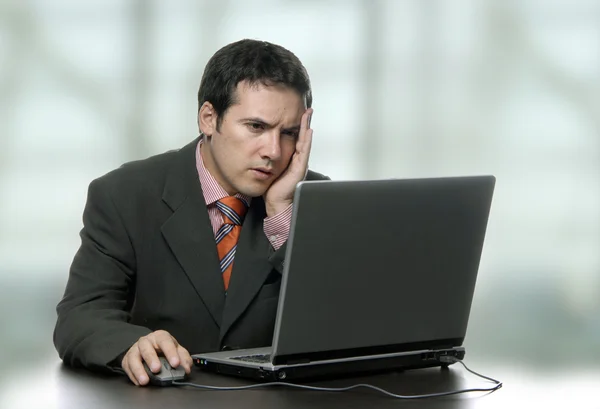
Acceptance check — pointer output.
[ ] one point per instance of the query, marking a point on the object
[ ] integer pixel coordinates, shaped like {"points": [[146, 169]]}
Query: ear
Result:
{"points": [[207, 119]]}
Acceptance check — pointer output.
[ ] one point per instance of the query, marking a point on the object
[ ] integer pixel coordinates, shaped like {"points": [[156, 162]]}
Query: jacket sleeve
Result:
{"points": [[92, 327]]}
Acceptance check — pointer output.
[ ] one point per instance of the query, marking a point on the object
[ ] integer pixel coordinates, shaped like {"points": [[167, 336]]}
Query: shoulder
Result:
{"points": [[312, 175], [143, 174], [141, 170]]}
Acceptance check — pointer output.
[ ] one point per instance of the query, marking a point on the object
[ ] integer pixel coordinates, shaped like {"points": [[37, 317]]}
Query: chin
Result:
{"points": [[252, 187], [253, 191]]}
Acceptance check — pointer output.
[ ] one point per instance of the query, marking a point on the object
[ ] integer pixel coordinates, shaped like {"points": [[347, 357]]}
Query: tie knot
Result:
{"points": [[233, 209]]}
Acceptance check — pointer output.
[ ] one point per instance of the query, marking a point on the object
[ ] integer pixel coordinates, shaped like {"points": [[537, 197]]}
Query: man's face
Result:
{"points": [[256, 140]]}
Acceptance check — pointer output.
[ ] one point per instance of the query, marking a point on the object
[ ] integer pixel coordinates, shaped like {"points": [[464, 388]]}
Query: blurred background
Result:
{"points": [[402, 88]]}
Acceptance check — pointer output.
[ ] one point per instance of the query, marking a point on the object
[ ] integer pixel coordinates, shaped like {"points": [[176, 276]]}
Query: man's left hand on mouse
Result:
{"points": [[280, 194]]}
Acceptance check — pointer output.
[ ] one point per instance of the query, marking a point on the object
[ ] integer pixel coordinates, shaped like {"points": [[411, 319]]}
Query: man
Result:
{"points": [[184, 251]]}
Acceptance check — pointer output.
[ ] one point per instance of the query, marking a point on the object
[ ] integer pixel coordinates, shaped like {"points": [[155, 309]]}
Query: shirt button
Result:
{"points": [[273, 238]]}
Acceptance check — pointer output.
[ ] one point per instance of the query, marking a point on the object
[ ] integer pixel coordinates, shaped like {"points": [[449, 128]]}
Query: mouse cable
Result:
{"points": [[443, 359]]}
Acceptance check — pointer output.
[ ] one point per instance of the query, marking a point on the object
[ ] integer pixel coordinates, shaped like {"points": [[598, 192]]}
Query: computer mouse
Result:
{"points": [[167, 373]]}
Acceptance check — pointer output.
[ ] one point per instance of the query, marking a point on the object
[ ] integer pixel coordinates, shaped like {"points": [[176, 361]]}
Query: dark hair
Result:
{"points": [[258, 62]]}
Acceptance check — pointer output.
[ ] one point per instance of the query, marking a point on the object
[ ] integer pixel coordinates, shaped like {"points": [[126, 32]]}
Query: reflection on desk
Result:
{"points": [[54, 385]]}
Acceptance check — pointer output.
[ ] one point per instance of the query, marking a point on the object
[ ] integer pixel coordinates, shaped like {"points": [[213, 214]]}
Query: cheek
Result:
{"points": [[288, 147]]}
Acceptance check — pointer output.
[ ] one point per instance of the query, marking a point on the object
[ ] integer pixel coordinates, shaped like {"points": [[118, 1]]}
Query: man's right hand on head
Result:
{"points": [[146, 349]]}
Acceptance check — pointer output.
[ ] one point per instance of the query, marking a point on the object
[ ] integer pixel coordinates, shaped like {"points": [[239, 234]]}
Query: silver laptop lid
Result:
{"points": [[380, 266]]}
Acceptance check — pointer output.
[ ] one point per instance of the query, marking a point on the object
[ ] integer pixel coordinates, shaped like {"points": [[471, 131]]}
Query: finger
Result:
{"points": [[308, 118], [185, 359], [160, 336], [148, 354], [125, 366], [306, 144], [303, 148], [136, 367], [168, 346], [307, 148], [305, 135], [305, 123]]}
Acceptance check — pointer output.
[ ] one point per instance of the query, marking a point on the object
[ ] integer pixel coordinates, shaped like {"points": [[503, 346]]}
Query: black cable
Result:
{"points": [[443, 359]]}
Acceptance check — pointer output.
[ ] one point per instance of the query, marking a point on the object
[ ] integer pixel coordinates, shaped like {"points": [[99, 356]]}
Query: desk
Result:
{"points": [[55, 386]]}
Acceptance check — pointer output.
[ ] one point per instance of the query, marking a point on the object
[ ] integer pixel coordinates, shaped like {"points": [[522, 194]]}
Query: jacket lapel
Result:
{"points": [[189, 234], [250, 267]]}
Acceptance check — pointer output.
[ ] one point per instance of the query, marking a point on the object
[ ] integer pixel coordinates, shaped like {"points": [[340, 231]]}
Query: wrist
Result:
{"points": [[273, 209]]}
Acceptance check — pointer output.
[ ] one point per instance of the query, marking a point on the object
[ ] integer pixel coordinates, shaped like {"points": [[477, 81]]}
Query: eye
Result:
{"points": [[255, 126], [292, 134]]}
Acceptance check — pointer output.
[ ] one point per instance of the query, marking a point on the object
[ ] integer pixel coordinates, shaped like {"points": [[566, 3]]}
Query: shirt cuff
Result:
{"points": [[277, 228]]}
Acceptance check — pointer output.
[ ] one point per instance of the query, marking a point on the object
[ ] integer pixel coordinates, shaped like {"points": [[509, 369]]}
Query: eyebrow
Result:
{"points": [[268, 125]]}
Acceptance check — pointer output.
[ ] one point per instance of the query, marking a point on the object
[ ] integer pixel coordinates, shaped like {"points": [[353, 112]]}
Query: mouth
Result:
{"points": [[262, 173], [266, 171]]}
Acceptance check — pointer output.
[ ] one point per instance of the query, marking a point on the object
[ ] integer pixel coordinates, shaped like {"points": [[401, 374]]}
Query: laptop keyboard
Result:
{"points": [[261, 358]]}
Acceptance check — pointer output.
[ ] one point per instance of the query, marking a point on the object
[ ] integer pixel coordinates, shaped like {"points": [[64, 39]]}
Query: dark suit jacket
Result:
{"points": [[148, 261]]}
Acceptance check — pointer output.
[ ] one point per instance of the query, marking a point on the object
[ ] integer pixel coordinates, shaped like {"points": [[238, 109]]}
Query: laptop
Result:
{"points": [[378, 275]]}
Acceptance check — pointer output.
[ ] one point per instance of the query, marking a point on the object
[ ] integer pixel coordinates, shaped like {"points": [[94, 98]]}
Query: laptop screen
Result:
{"points": [[381, 265]]}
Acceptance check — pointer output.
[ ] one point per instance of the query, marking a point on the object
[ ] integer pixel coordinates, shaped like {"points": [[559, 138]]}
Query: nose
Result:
{"points": [[271, 148]]}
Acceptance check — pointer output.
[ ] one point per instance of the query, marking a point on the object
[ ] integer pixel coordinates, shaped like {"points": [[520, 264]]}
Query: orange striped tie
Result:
{"points": [[233, 210]]}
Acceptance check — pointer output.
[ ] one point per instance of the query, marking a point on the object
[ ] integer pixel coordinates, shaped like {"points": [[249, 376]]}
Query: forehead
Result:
{"points": [[269, 102]]}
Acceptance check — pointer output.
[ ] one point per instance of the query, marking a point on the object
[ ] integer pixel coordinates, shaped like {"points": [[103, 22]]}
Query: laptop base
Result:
{"points": [[316, 370]]}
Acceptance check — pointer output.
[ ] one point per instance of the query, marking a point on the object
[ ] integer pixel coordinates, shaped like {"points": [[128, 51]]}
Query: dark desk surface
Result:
{"points": [[53, 385]]}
